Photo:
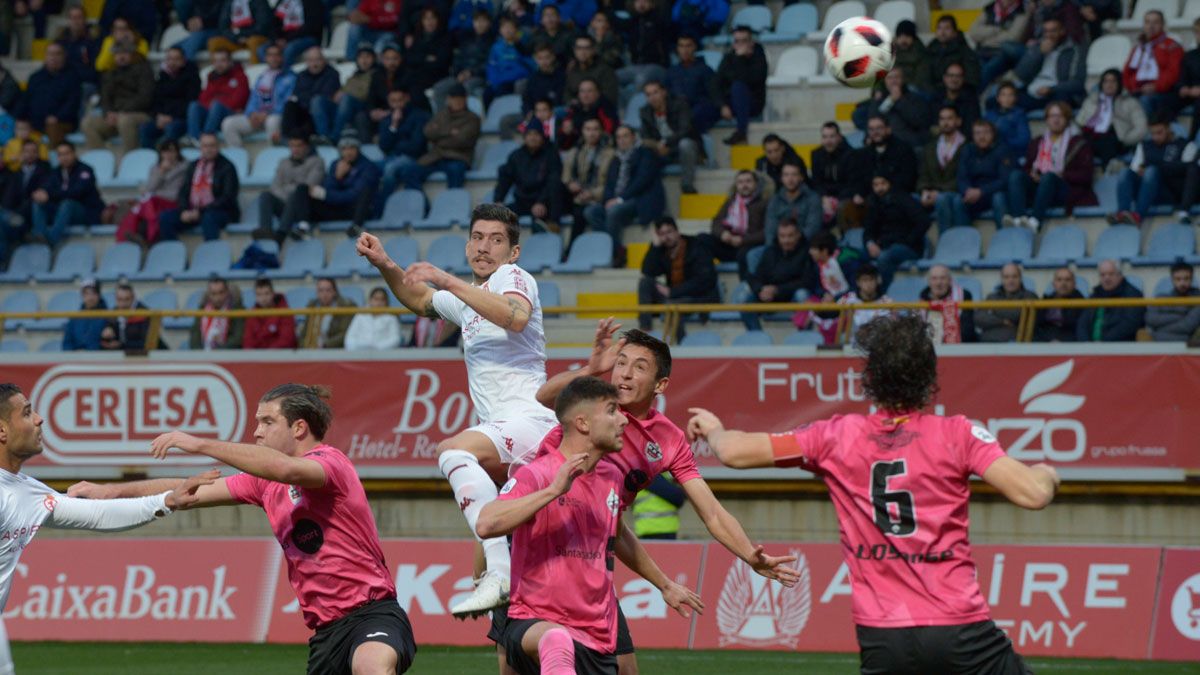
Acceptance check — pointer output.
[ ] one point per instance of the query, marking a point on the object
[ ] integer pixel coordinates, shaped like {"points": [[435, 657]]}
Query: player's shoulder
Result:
{"points": [[512, 275], [661, 428]]}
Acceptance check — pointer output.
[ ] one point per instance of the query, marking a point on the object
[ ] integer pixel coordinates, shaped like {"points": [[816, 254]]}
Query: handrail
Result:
{"points": [[672, 313]]}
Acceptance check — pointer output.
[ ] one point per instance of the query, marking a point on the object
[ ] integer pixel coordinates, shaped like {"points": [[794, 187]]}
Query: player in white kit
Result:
{"points": [[501, 320], [27, 505]]}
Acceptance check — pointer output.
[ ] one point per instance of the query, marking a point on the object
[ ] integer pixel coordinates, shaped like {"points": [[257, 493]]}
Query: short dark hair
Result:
{"points": [[655, 82], [742, 28], [773, 138], [29, 141], [544, 46], [866, 270], [303, 402], [547, 6], [1154, 11], [881, 118], [124, 286], [584, 36], [504, 18], [582, 390], [948, 18], [791, 162], [824, 241], [900, 374], [501, 213], [65, 144], [7, 391], [660, 350], [833, 125], [665, 221], [332, 282], [543, 99], [951, 109], [1162, 118], [224, 51], [379, 289], [1010, 85], [263, 282], [178, 49], [692, 38], [1180, 266]]}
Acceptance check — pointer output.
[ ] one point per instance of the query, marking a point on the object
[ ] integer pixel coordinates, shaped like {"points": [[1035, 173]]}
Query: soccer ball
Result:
{"points": [[858, 52]]}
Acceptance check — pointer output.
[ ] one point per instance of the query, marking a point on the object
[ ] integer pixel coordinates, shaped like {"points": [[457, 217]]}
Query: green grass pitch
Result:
{"points": [[87, 658]]}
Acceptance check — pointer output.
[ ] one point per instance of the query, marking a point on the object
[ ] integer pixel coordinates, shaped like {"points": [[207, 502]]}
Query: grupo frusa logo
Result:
{"points": [[109, 413], [1036, 437]]}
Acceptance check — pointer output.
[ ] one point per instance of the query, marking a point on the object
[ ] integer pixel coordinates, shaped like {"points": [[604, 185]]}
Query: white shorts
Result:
{"points": [[6, 662], [516, 438]]}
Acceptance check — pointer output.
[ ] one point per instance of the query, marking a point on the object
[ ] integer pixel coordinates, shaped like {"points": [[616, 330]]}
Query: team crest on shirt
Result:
{"points": [[754, 612], [508, 487], [613, 502], [982, 434], [50, 503], [294, 494], [653, 452]]}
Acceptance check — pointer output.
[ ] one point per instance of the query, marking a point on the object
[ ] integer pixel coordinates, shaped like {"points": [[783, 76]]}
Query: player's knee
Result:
{"points": [[627, 664], [374, 658], [451, 459]]}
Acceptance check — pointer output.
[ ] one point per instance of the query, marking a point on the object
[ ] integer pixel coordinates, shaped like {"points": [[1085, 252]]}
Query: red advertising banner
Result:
{"points": [[1177, 618], [391, 414]]}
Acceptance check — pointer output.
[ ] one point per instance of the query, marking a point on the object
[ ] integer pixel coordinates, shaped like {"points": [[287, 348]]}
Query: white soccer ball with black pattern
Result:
{"points": [[858, 52]]}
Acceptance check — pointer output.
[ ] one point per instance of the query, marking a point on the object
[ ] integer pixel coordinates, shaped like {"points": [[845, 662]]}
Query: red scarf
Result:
{"points": [[737, 219], [951, 316], [202, 188]]}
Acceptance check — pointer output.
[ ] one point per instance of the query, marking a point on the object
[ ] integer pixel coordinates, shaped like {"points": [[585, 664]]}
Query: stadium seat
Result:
{"points": [[540, 251], [837, 13], [1108, 51], [346, 261], [19, 301], [1009, 244], [1168, 243], [591, 250], [162, 299], [346, 70], [240, 160], [265, 163], [299, 297], [353, 293], [401, 208], [509, 104], [300, 259], [135, 168], [173, 35], [753, 258], [13, 346], [475, 105], [549, 295], [711, 57], [804, 337], [63, 301], [1136, 281], [1165, 287], [328, 154], [338, 39], [794, 22], [28, 261], [892, 12], [103, 163], [404, 250], [633, 111], [1191, 11], [956, 247], [372, 152], [971, 285], [854, 240], [252, 70], [906, 289], [75, 260], [183, 322], [494, 156], [449, 252], [753, 338], [1061, 244], [1169, 9], [794, 65], [119, 260], [701, 338], [165, 259], [755, 17], [1118, 242], [52, 345], [450, 207], [209, 258]]}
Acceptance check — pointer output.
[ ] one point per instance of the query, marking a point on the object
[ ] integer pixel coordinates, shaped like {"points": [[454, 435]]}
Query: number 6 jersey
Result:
{"points": [[900, 488]]}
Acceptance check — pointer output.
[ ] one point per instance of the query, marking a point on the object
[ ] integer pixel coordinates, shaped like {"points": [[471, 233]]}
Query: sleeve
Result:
{"points": [[524, 482], [246, 488], [448, 306], [339, 471], [113, 514], [683, 462], [510, 279], [981, 447], [803, 446]]}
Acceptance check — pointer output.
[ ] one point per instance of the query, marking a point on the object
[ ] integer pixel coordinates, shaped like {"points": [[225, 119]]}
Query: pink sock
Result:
{"points": [[556, 651]]}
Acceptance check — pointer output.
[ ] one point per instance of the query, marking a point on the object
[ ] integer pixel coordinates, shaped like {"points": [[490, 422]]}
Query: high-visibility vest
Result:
{"points": [[654, 515]]}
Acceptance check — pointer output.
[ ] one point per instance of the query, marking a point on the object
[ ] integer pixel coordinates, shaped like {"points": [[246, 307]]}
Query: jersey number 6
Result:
{"points": [[897, 521]]}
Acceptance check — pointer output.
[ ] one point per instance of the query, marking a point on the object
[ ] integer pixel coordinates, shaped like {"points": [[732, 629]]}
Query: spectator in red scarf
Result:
{"points": [[1152, 69], [740, 223], [218, 332], [269, 332], [951, 323], [159, 192], [208, 197], [1058, 169]]}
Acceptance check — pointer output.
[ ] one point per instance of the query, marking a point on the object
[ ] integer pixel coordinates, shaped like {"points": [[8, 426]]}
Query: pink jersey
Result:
{"points": [[334, 558], [900, 487], [562, 559], [652, 445]]}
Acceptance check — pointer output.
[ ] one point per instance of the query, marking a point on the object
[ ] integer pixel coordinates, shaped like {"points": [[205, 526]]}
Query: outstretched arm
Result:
{"points": [[417, 297], [216, 494], [510, 311], [728, 531], [635, 557], [736, 449], [1030, 487], [500, 517], [604, 355], [253, 459], [123, 514]]}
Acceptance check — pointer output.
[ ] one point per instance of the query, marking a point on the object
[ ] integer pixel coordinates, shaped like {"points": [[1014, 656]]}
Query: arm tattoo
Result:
{"points": [[428, 309], [515, 307]]}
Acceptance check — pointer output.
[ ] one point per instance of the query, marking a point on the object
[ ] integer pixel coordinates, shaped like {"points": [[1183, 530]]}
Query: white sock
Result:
{"points": [[473, 488]]}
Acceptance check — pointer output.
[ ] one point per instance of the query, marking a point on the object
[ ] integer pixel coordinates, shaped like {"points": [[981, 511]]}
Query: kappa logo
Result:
{"points": [[466, 501], [508, 443], [754, 612], [653, 452], [1185, 608]]}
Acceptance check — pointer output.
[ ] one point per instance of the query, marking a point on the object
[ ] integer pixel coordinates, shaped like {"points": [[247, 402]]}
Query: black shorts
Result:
{"points": [[587, 661], [624, 639], [969, 649], [331, 648]]}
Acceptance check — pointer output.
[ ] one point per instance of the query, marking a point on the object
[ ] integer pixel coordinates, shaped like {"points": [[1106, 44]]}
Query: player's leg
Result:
{"points": [[551, 646], [626, 657], [6, 662], [381, 640], [374, 658], [979, 648], [887, 651]]}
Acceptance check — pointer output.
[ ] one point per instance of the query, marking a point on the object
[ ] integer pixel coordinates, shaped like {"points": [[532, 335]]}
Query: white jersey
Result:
{"points": [[504, 368]]}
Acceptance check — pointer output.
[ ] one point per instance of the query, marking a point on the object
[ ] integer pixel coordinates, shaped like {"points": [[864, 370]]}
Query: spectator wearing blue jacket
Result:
{"points": [[268, 96], [633, 191], [52, 97], [84, 334], [983, 169], [506, 64], [1011, 122], [461, 23], [349, 187], [699, 18], [315, 88], [693, 80], [68, 197], [576, 12], [401, 139]]}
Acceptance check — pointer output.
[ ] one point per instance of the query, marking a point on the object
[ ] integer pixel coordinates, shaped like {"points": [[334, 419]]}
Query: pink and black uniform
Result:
{"points": [[900, 486], [562, 563], [335, 561]]}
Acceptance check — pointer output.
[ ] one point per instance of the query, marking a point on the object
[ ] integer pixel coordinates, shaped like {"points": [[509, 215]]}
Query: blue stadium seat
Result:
{"points": [[753, 338], [493, 158], [209, 258], [509, 104], [328, 154], [1168, 243], [103, 163], [300, 258], [753, 258], [353, 293], [1136, 281], [701, 338], [52, 345], [1009, 244], [19, 301], [711, 57], [804, 337], [633, 111], [13, 346], [346, 261], [74, 260], [956, 247], [163, 299], [906, 289], [300, 296], [165, 259], [401, 208], [794, 22], [119, 260], [756, 17], [265, 163], [63, 301], [449, 252], [853, 238], [1105, 188], [549, 295], [372, 152], [28, 261], [592, 250], [1061, 244], [135, 168], [450, 207], [540, 251], [970, 284], [404, 250], [240, 160], [248, 299], [1118, 242]]}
